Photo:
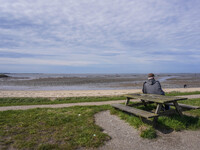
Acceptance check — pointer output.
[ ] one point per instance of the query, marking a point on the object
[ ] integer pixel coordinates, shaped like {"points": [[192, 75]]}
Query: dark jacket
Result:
{"points": [[152, 87]]}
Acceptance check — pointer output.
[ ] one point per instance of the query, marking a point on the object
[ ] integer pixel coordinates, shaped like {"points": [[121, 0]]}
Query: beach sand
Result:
{"points": [[79, 93]]}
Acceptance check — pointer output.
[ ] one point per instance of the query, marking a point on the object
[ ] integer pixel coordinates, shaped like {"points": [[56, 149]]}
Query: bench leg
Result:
{"points": [[178, 108], [127, 101], [144, 103], [155, 121]]}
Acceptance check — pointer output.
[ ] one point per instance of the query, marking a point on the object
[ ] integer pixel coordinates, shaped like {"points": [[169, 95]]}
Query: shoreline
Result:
{"points": [[81, 93]]}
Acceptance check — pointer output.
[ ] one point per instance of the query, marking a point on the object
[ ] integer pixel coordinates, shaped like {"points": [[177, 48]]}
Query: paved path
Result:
{"points": [[125, 137], [75, 104]]}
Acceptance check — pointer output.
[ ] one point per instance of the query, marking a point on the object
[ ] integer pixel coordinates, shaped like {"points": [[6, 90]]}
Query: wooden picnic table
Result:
{"points": [[158, 99]]}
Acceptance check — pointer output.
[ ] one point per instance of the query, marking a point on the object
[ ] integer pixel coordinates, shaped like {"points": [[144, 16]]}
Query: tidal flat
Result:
{"points": [[45, 82]]}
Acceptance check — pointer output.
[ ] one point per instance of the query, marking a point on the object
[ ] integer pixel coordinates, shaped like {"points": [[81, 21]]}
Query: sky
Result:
{"points": [[100, 36]]}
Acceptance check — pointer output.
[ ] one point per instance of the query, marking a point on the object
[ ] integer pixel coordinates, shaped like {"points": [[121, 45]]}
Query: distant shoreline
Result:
{"points": [[59, 82]]}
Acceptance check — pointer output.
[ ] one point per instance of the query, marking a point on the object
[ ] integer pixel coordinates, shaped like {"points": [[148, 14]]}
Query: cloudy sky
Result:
{"points": [[100, 36]]}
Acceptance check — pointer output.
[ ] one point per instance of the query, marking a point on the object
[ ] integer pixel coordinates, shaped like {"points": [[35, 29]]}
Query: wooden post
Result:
{"points": [[159, 106], [127, 101], [178, 108]]}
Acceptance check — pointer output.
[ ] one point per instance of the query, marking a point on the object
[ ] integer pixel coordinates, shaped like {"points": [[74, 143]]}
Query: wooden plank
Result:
{"points": [[184, 106], [135, 111], [155, 98]]}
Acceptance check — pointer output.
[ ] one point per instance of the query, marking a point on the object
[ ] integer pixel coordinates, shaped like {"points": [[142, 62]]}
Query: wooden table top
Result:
{"points": [[155, 98]]}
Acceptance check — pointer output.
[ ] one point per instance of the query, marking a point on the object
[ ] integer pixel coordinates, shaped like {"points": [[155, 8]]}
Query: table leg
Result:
{"points": [[178, 108], [144, 103], [159, 106], [127, 101]]}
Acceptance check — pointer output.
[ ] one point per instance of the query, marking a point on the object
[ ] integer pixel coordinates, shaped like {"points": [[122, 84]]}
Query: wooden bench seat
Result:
{"points": [[135, 111], [184, 106]]}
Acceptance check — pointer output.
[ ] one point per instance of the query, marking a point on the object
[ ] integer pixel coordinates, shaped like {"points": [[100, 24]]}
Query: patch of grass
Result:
{"points": [[40, 101], [176, 93], [63, 128], [148, 133], [194, 102]]}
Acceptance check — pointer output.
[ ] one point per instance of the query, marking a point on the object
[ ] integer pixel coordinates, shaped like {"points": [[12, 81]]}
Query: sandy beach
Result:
{"points": [[78, 93]]}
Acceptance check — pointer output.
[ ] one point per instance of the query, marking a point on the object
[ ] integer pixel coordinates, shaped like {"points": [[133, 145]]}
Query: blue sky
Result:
{"points": [[100, 36]]}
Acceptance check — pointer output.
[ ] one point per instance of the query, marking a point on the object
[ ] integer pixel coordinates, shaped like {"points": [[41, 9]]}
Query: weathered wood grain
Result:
{"points": [[155, 98], [135, 111]]}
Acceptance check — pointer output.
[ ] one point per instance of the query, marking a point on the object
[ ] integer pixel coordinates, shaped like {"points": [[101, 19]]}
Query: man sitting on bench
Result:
{"points": [[151, 86]]}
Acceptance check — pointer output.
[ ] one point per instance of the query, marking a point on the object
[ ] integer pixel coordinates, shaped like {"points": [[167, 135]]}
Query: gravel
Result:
{"points": [[125, 137]]}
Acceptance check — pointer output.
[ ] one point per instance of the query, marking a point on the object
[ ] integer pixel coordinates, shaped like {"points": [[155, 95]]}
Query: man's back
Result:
{"points": [[152, 87]]}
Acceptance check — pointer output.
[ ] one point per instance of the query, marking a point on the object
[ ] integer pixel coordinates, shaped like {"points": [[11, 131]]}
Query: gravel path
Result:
{"points": [[125, 137], [59, 105]]}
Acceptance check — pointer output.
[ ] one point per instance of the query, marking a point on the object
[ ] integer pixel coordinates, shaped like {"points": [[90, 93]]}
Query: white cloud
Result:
{"points": [[101, 31]]}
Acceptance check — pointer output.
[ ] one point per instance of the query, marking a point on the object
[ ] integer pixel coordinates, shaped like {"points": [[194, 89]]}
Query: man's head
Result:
{"points": [[151, 76]]}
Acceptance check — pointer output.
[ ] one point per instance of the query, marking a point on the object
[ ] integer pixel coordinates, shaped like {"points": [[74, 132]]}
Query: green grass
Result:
{"points": [[176, 93], [63, 128], [194, 102], [40, 101], [74, 127]]}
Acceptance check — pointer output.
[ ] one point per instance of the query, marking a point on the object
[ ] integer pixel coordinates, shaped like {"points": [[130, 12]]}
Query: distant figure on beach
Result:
{"points": [[185, 85], [151, 86]]}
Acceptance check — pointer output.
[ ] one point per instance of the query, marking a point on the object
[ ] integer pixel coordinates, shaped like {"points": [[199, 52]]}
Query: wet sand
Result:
{"points": [[79, 82]]}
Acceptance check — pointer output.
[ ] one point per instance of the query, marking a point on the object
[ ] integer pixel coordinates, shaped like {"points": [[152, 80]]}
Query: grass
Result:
{"points": [[39, 101], [74, 127], [176, 93], [63, 128], [194, 102]]}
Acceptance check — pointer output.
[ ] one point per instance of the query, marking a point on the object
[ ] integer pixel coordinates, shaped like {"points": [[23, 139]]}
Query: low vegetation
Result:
{"points": [[74, 127], [176, 93], [39, 101], [3, 76], [63, 128]]}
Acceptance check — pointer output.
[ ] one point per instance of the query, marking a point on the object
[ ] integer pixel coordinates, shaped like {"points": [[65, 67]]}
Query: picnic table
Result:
{"points": [[159, 100]]}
